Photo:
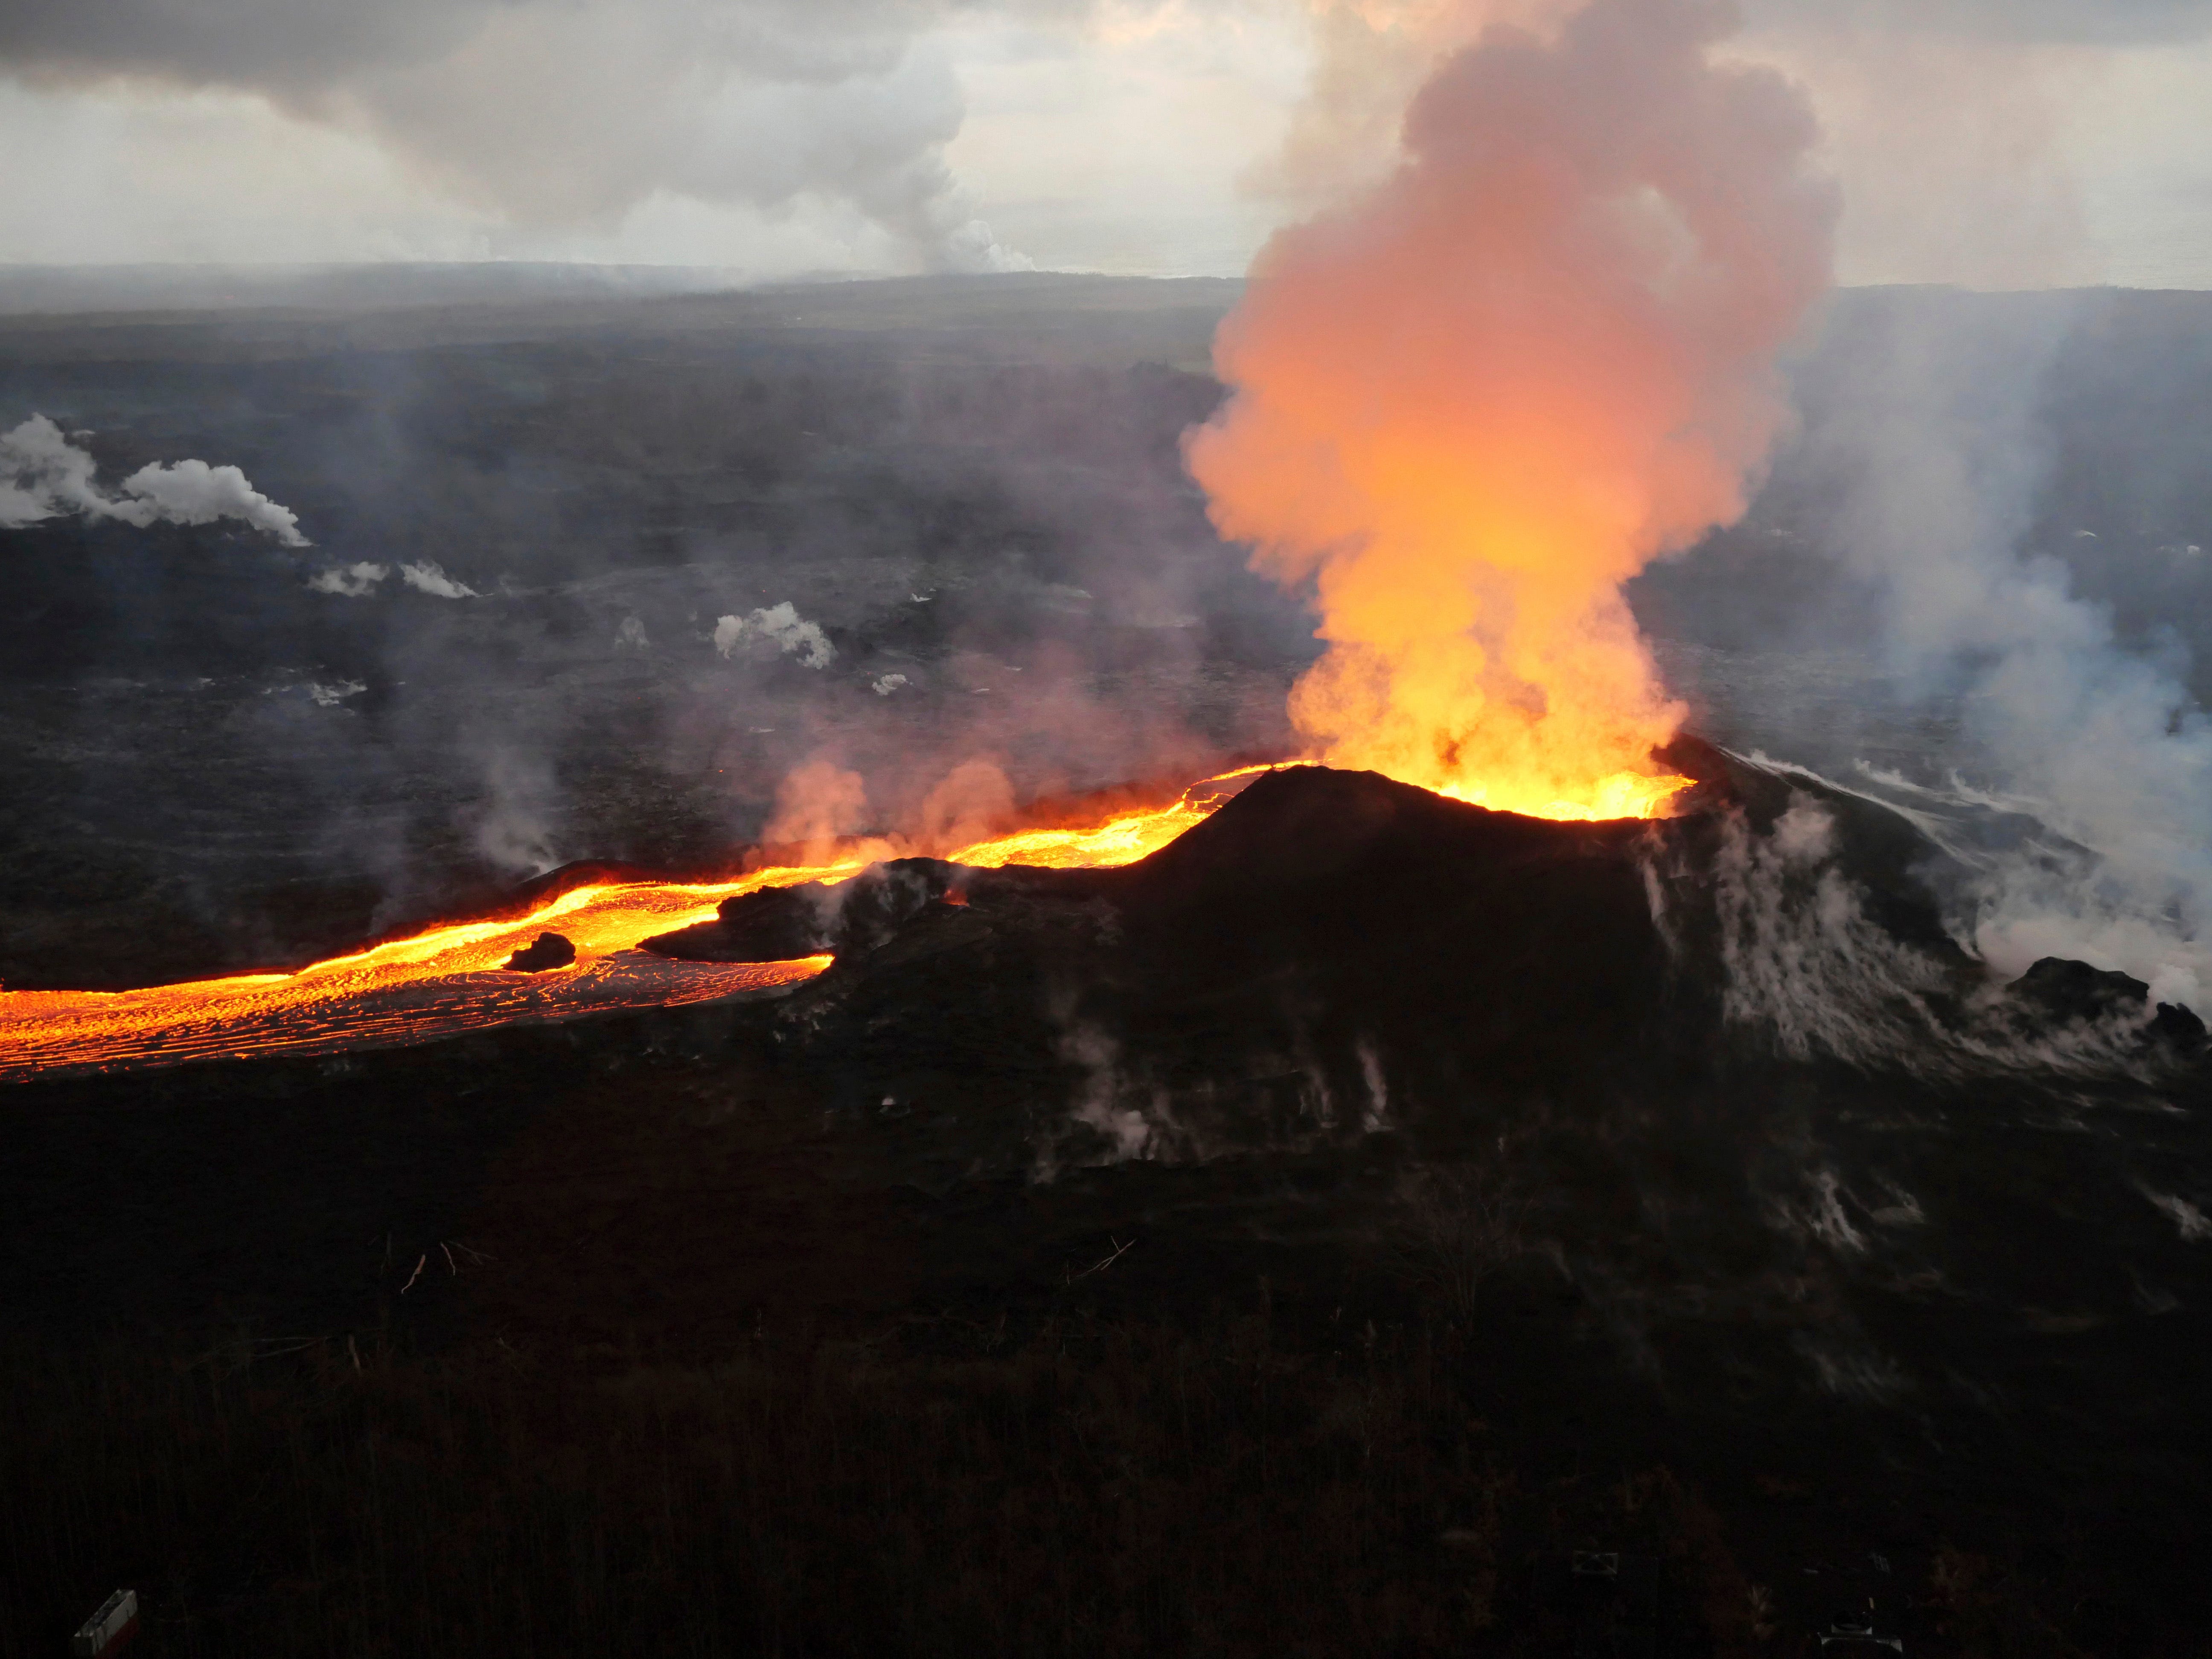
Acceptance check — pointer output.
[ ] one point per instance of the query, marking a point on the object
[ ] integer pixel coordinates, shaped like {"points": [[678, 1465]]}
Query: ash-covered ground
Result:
{"points": [[1308, 1239]]}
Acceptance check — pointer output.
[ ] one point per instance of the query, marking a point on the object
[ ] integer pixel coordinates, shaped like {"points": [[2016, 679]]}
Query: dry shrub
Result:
{"points": [[1462, 1224]]}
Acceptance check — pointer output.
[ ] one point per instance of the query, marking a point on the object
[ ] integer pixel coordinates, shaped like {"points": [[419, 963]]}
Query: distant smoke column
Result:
{"points": [[1471, 403]]}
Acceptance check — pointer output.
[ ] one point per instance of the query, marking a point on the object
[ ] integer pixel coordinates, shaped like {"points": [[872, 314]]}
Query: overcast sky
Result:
{"points": [[1995, 143]]}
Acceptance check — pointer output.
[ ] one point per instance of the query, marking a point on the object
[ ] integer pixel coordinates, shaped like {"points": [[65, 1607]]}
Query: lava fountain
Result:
{"points": [[1469, 403]]}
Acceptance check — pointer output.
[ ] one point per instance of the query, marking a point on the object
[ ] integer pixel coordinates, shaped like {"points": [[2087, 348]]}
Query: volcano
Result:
{"points": [[1683, 1156]]}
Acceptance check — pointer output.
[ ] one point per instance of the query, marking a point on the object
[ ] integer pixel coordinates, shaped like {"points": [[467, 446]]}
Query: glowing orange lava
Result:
{"points": [[1623, 794], [451, 979]]}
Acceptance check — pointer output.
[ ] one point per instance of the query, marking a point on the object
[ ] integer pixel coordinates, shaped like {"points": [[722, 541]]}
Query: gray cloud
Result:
{"points": [[192, 492], [2099, 22], [292, 49], [571, 114]]}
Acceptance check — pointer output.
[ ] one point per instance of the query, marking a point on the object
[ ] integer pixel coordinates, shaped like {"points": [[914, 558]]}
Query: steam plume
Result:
{"points": [[350, 581], [431, 579], [44, 476], [817, 806], [1472, 402], [1940, 460], [782, 626]]}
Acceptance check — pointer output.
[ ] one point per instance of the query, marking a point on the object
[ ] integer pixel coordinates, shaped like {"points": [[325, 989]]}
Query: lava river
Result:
{"points": [[453, 979]]}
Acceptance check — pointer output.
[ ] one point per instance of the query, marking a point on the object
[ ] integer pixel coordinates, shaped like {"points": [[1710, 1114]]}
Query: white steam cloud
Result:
{"points": [[350, 581], [431, 579], [44, 476], [514, 822], [1941, 458], [1807, 969], [781, 625]]}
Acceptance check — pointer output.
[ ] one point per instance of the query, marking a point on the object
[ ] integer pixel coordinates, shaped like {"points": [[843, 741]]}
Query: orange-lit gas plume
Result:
{"points": [[1471, 403], [451, 979]]}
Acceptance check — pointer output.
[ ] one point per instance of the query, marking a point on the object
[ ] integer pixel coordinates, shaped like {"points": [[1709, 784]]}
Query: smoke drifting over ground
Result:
{"points": [[1990, 529], [351, 581], [43, 475], [1942, 457], [431, 579]]}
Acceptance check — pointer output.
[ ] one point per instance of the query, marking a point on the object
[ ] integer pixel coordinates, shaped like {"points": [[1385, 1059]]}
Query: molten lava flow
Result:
{"points": [[451, 979], [1469, 404], [1119, 840]]}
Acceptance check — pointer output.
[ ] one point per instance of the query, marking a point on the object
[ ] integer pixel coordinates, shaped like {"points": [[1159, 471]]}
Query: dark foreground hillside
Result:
{"points": [[1314, 1239]]}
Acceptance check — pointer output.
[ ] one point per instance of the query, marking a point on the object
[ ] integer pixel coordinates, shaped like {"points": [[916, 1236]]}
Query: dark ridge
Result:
{"points": [[2075, 990], [776, 924], [546, 952], [1300, 826], [2065, 992]]}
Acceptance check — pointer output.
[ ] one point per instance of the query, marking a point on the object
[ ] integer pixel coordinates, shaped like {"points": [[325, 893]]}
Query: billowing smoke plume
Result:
{"points": [[571, 113], [1474, 401], [44, 476]]}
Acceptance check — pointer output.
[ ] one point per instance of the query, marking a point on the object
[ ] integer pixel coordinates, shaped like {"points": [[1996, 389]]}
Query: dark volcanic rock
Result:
{"points": [[1333, 952], [1325, 949], [2074, 990], [1381, 906], [549, 951], [772, 925], [2178, 1026], [777, 924]]}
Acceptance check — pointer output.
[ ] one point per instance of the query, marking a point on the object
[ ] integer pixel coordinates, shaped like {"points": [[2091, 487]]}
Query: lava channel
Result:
{"points": [[451, 979]]}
